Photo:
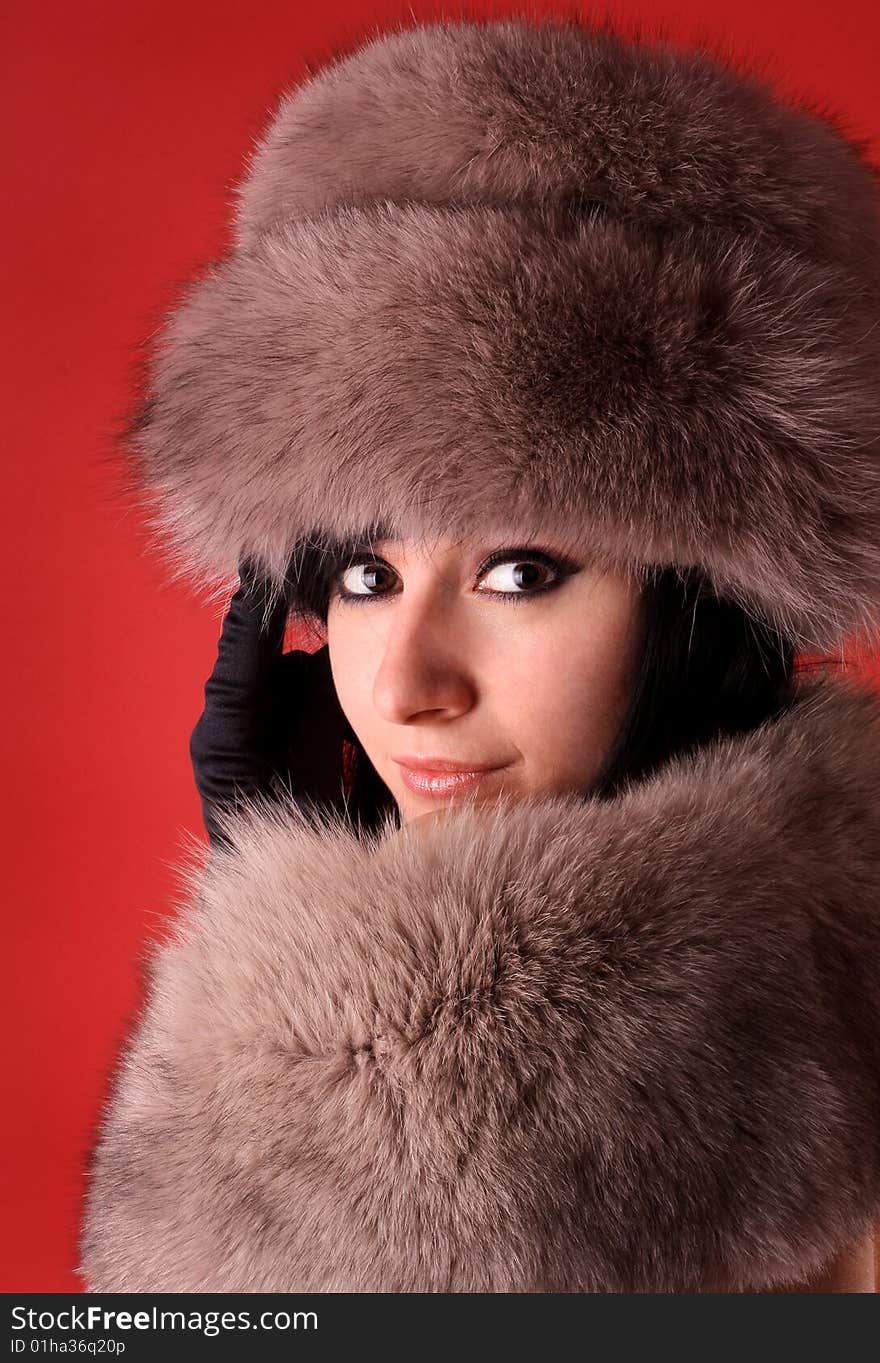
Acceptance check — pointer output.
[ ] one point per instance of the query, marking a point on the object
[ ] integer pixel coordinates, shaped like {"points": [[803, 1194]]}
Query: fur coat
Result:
{"points": [[552, 1045]]}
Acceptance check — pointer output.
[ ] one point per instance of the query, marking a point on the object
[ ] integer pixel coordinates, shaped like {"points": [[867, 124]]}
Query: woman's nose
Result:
{"points": [[422, 670]]}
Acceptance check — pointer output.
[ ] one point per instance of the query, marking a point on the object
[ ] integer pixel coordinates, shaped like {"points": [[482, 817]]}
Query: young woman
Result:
{"points": [[537, 948]]}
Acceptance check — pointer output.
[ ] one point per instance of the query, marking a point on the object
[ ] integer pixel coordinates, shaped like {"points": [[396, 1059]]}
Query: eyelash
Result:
{"points": [[562, 567]]}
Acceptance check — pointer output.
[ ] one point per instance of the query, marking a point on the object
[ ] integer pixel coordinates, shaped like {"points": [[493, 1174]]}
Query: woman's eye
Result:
{"points": [[514, 577], [364, 579], [517, 577]]}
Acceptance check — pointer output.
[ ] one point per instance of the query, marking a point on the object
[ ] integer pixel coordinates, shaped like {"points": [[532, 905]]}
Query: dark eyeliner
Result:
{"points": [[361, 556], [561, 566], [557, 562]]}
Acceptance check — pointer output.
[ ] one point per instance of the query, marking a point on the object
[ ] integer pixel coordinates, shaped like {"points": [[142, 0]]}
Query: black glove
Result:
{"points": [[272, 721]]}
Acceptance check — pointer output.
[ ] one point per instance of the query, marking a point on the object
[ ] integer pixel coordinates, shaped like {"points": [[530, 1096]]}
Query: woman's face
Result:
{"points": [[485, 652]]}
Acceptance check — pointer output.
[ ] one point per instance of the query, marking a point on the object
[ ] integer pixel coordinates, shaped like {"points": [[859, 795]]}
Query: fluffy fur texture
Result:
{"points": [[510, 270], [543, 1046]]}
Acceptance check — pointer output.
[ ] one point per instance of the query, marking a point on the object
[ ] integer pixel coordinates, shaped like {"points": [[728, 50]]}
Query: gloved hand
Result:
{"points": [[272, 721]]}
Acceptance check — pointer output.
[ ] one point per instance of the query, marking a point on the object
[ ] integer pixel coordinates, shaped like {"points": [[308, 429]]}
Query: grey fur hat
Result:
{"points": [[511, 270]]}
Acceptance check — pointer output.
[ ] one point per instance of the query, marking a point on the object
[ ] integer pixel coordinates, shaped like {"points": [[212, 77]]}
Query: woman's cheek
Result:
{"points": [[355, 658]]}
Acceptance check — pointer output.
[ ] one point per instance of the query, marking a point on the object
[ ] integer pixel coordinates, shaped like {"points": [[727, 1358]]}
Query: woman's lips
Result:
{"points": [[440, 783]]}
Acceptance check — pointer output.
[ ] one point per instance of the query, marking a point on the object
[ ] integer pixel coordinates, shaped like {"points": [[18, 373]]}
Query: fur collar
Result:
{"points": [[630, 1046]]}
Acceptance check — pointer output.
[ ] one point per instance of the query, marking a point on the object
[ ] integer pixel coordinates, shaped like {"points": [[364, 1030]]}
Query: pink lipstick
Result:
{"points": [[439, 782]]}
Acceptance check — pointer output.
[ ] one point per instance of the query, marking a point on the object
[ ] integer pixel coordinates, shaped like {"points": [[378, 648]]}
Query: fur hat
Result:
{"points": [[517, 270]]}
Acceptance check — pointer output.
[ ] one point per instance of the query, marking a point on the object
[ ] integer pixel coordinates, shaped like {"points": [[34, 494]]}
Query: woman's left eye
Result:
{"points": [[518, 577]]}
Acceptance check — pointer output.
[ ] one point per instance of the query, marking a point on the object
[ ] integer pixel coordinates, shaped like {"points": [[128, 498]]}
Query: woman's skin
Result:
{"points": [[431, 660]]}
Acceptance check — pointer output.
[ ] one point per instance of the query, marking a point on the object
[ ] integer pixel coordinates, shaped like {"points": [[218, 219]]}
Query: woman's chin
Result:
{"points": [[416, 811]]}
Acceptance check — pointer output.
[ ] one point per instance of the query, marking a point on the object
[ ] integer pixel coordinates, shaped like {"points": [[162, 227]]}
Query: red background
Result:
{"points": [[126, 127]]}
